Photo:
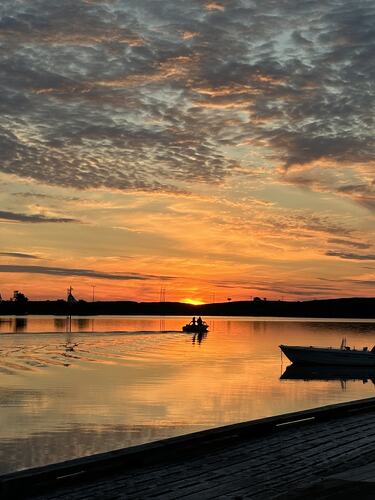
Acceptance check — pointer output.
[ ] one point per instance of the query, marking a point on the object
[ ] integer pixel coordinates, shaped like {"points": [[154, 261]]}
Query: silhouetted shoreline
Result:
{"points": [[330, 308]]}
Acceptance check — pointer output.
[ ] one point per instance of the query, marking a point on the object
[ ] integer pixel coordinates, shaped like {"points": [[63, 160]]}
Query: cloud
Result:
{"points": [[350, 256], [19, 255], [301, 223], [351, 243], [33, 218], [350, 181], [278, 286], [114, 94], [364, 282], [363, 194], [89, 273]]}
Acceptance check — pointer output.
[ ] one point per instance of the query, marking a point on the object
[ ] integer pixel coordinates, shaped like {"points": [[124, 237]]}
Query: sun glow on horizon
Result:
{"points": [[194, 302]]}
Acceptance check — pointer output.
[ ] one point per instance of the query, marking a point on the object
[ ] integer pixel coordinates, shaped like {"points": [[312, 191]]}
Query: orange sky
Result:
{"points": [[202, 148]]}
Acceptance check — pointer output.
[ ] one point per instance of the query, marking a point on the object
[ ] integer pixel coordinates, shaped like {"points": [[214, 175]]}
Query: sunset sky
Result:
{"points": [[214, 149]]}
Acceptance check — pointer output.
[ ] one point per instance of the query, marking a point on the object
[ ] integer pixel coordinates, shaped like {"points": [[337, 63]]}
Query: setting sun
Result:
{"points": [[194, 302]]}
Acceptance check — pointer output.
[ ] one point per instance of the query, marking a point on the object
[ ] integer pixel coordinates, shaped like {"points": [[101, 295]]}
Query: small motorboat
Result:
{"points": [[194, 328], [343, 355]]}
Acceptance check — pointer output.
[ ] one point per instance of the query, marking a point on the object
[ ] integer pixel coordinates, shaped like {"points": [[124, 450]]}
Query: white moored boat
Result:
{"points": [[343, 355]]}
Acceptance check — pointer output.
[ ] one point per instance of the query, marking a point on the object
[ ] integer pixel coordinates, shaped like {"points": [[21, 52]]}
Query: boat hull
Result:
{"points": [[328, 356], [195, 328]]}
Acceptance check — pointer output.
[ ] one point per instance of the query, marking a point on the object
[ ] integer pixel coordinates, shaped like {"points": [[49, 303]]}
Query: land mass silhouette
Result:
{"points": [[325, 308]]}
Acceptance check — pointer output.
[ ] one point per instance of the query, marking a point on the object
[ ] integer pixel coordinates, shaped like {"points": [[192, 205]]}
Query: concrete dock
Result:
{"points": [[323, 453]]}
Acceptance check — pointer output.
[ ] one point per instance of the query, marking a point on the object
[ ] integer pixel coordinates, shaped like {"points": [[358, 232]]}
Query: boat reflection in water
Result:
{"points": [[326, 373], [198, 337]]}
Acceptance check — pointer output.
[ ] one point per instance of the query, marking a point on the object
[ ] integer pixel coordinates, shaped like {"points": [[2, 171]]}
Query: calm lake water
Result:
{"points": [[119, 381]]}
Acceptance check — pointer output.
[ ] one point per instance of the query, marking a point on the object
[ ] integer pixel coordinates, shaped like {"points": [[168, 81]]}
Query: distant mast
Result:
{"points": [[70, 298]]}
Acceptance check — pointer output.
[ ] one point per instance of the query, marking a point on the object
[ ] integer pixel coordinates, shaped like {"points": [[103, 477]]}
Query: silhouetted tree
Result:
{"points": [[19, 297]]}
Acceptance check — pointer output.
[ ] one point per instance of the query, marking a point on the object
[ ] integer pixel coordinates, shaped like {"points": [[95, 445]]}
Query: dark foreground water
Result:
{"points": [[118, 381]]}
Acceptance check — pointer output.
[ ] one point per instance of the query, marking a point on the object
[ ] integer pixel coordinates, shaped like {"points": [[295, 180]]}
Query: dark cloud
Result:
{"points": [[19, 255], [364, 282], [282, 288], [330, 178], [350, 256], [300, 223], [89, 273], [33, 218], [364, 194], [350, 243], [145, 94], [32, 195]]}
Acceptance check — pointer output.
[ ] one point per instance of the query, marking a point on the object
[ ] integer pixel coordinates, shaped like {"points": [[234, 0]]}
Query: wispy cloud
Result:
{"points": [[351, 243], [350, 256], [33, 218], [19, 255], [89, 273]]}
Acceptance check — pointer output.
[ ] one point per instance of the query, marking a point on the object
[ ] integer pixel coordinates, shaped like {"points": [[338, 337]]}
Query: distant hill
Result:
{"points": [[331, 308]]}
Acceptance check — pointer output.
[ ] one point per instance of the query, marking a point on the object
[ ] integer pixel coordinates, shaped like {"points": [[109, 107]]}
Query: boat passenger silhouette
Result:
{"points": [[195, 326]]}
